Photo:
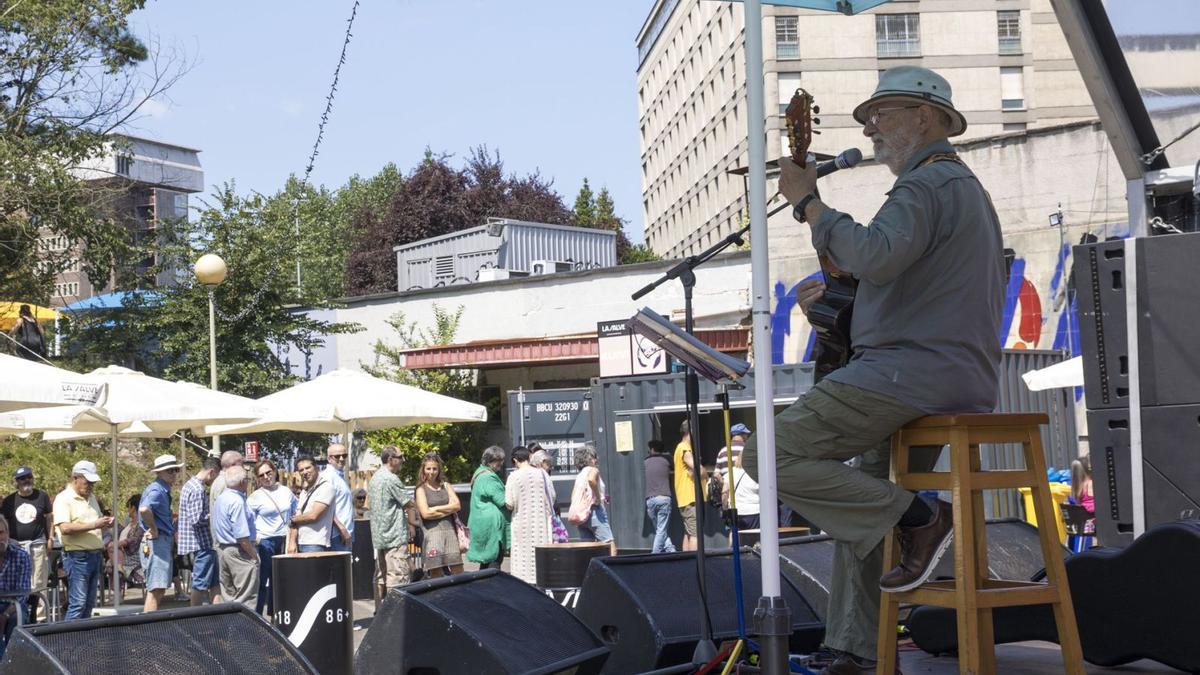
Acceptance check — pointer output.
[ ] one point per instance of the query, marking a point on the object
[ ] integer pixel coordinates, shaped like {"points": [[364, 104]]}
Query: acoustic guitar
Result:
{"points": [[830, 315]]}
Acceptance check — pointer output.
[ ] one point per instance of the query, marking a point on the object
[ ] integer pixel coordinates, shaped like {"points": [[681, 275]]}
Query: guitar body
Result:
{"points": [[830, 318], [830, 315]]}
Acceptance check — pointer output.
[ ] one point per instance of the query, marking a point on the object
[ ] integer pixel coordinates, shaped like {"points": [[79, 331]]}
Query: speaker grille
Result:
{"points": [[675, 613], [225, 644], [505, 612]]}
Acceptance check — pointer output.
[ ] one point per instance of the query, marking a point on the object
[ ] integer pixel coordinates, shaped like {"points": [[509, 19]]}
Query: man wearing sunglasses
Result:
{"points": [[930, 272], [30, 517]]}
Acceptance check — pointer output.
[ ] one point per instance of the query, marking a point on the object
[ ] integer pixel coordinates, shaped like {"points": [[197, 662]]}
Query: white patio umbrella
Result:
{"points": [[138, 403], [25, 383], [345, 401]]}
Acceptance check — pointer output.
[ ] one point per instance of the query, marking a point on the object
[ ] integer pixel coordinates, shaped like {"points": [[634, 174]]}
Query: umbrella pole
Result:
{"points": [[348, 439], [116, 570]]}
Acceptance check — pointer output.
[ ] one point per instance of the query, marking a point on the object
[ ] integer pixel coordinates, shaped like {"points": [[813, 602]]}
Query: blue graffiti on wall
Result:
{"points": [[781, 320]]}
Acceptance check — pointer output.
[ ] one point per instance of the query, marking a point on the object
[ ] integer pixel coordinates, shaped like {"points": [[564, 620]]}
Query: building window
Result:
{"points": [[1012, 89], [124, 164], [897, 35], [788, 84], [67, 289], [787, 37], [56, 243], [1008, 24], [1015, 126]]}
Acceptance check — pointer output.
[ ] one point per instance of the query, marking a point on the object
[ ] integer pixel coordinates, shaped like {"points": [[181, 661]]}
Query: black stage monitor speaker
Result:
{"points": [[647, 607], [808, 563], [1014, 552], [224, 639], [477, 622], [1130, 604], [1168, 289], [1170, 468]]}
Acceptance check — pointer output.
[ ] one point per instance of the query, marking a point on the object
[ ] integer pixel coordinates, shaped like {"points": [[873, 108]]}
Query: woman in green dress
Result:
{"points": [[489, 516]]}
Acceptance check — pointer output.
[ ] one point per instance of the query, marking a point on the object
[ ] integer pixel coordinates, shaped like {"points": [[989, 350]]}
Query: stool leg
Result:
{"points": [[966, 584], [889, 607], [987, 639], [1056, 573]]}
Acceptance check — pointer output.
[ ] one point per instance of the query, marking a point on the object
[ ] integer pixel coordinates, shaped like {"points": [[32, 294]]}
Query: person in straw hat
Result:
{"points": [[158, 530], [930, 269]]}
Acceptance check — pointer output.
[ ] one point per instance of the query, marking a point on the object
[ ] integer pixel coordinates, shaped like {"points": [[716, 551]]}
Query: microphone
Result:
{"points": [[845, 160]]}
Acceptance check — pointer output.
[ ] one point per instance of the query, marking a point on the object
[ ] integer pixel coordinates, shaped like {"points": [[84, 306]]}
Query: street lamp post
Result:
{"points": [[210, 271]]}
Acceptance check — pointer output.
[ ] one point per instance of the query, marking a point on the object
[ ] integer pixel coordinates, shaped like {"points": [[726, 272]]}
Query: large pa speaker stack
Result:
{"points": [[1168, 295], [224, 639], [476, 622], [647, 607]]}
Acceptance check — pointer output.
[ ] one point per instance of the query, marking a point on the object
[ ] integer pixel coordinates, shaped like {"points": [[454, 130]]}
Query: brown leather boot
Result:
{"points": [[920, 550]]}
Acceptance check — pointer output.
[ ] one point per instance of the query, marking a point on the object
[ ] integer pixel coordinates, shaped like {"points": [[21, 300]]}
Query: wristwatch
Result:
{"points": [[798, 212]]}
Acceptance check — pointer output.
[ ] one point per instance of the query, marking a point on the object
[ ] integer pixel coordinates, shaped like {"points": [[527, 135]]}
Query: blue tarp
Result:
{"points": [[843, 6], [114, 300]]}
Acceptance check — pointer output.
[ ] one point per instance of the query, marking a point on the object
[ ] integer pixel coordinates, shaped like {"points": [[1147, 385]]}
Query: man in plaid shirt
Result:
{"points": [[195, 533], [15, 569]]}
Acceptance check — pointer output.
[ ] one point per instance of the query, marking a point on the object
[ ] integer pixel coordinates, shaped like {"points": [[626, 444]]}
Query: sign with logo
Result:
{"points": [[251, 451], [624, 353]]}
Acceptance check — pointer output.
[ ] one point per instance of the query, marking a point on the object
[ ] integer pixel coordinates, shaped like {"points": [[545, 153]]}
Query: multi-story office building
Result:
{"points": [[1006, 60], [143, 183]]}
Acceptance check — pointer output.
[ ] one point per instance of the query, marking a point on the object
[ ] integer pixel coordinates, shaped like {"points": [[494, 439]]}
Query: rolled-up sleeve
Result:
{"points": [[879, 252]]}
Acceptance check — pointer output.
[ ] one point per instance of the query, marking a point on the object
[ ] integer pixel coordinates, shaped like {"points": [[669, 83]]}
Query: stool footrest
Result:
{"points": [[996, 479], [994, 593]]}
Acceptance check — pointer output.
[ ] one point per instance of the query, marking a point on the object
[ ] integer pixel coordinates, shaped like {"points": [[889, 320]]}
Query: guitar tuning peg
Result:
{"points": [[817, 109], [816, 120], [816, 131]]}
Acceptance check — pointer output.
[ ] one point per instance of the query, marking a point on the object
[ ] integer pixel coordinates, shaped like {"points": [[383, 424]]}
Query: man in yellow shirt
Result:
{"points": [[685, 487], [77, 517]]}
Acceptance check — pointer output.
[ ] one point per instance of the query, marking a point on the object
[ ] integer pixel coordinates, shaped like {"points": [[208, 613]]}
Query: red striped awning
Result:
{"points": [[545, 351]]}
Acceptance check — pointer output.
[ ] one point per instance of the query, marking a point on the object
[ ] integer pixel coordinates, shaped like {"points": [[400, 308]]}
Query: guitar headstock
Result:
{"points": [[800, 123]]}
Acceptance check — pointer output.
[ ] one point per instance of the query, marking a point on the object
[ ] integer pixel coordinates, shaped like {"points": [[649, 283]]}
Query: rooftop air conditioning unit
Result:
{"points": [[540, 267], [492, 274]]}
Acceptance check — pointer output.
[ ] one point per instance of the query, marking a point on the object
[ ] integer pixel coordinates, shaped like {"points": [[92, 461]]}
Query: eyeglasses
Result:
{"points": [[337, 456], [23, 479], [360, 499], [874, 117]]}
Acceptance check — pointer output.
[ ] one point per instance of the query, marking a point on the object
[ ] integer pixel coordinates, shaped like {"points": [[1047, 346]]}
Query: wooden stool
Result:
{"points": [[972, 594]]}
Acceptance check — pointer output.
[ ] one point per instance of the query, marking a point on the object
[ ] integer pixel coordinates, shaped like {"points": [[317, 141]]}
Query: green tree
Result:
{"points": [[583, 214], [71, 73], [458, 444], [599, 211], [256, 315]]}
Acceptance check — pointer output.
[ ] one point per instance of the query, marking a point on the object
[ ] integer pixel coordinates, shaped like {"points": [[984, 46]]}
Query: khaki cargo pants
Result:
{"points": [[832, 423]]}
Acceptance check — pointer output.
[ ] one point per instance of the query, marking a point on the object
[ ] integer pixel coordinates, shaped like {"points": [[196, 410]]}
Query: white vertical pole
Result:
{"points": [[1137, 488], [760, 262], [116, 569]]}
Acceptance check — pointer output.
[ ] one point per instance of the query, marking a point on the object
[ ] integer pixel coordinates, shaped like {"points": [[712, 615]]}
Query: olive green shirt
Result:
{"points": [[387, 497], [930, 265]]}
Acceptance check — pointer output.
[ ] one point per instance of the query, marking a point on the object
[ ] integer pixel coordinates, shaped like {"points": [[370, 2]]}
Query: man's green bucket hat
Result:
{"points": [[914, 84]]}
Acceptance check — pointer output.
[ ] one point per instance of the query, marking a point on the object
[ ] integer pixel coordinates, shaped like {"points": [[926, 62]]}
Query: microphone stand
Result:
{"points": [[685, 271]]}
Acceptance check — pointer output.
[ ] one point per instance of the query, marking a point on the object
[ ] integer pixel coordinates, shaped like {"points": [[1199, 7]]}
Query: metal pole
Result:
{"points": [[296, 221], [116, 573], [212, 355], [772, 619]]}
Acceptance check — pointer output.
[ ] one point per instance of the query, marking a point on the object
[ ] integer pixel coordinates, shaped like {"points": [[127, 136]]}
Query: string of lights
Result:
{"points": [[312, 160]]}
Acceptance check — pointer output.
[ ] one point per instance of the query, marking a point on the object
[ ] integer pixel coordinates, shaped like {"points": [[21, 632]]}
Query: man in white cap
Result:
{"points": [[80, 526], [930, 270], [158, 550]]}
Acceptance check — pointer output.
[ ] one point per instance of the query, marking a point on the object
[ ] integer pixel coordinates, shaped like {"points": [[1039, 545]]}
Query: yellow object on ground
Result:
{"points": [[1059, 492], [9, 311]]}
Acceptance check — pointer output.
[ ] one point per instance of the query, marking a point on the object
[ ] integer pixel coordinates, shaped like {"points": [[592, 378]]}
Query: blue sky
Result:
{"points": [[551, 84]]}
